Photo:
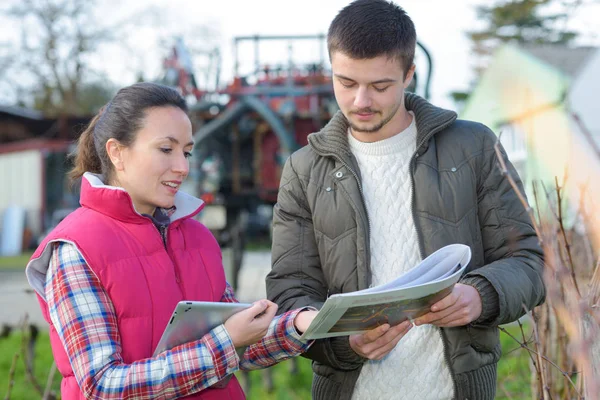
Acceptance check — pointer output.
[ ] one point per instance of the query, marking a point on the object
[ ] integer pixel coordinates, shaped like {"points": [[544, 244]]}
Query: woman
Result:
{"points": [[109, 276]]}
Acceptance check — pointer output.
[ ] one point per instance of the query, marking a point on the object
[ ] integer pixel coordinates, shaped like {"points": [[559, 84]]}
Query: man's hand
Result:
{"points": [[378, 342], [459, 308]]}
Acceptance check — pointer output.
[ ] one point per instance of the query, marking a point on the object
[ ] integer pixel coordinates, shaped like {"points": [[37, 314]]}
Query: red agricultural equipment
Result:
{"points": [[245, 131]]}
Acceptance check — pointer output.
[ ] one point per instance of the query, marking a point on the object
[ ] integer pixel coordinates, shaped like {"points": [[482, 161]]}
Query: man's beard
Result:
{"points": [[374, 128]]}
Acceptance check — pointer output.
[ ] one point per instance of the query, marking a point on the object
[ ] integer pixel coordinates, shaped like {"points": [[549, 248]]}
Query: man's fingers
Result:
{"points": [[448, 322], [446, 302], [375, 334], [378, 338], [386, 342], [396, 335], [383, 351], [432, 317], [459, 318]]}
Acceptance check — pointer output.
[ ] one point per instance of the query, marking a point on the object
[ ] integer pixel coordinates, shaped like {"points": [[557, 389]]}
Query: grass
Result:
{"points": [[287, 386], [15, 262], [22, 388], [513, 373]]}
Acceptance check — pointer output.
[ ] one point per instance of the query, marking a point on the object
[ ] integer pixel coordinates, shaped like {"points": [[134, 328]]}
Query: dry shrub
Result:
{"points": [[565, 345]]}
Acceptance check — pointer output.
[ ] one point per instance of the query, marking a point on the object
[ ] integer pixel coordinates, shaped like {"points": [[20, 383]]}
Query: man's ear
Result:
{"points": [[409, 76], [114, 149]]}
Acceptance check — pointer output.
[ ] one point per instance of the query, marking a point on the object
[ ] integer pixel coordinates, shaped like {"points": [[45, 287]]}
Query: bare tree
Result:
{"points": [[56, 60], [56, 38]]}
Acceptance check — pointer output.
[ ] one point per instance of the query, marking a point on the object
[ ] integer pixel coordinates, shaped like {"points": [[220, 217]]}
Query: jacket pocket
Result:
{"points": [[484, 339]]}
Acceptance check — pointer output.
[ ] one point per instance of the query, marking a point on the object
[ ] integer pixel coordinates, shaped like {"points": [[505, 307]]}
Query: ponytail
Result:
{"points": [[86, 156]]}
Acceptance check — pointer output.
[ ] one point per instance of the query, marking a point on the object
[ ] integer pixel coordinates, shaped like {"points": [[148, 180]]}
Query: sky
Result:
{"points": [[441, 27]]}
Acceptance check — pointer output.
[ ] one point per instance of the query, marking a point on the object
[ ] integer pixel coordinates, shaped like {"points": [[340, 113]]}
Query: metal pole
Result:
{"points": [[236, 63], [256, 60], [429, 71]]}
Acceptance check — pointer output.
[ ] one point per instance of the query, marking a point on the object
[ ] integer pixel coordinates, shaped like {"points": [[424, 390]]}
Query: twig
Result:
{"points": [[549, 198], [543, 357], [537, 204], [11, 376], [594, 292], [49, 382], [28, 371], [564, 234], [525, 341], [586, 133], [542, 370]]}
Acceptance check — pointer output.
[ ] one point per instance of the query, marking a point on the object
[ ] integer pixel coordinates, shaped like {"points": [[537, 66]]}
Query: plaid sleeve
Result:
{"points": [[281, 342], [229, 295], [86, 323]]}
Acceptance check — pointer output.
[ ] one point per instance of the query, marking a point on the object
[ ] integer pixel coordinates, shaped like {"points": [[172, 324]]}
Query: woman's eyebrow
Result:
{"points": [[174, 140]]}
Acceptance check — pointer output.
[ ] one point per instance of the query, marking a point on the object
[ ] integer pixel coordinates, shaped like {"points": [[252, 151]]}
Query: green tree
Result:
{"points": [[521, 22]]}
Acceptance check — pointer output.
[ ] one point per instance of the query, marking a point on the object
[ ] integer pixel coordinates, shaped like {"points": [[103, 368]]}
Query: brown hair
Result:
{"points": [[367, 29], [120, 119]]}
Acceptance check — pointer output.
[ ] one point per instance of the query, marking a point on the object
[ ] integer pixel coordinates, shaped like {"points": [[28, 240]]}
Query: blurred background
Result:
{"points": [[256, 76]]}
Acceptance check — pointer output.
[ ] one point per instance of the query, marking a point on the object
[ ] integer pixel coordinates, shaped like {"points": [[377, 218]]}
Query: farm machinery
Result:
{"points": [[245, 130]]}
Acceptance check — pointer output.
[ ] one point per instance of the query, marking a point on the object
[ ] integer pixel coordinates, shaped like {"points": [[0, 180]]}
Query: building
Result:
{"points": [[33, 164], [541, 100]]}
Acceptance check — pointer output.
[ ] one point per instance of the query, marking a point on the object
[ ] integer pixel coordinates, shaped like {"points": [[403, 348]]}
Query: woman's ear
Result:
{"points": [[114, 149]]}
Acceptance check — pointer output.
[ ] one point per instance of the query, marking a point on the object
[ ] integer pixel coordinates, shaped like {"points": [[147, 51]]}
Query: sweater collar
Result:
{"points": [[116, 203], [333, 140]]}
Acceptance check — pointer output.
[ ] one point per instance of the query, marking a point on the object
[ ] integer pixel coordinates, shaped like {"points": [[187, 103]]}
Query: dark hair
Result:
{"points": [[371, 28], [120, 119]]}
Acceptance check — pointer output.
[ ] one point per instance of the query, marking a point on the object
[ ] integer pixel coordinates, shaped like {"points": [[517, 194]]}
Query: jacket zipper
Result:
{"points": [[419, 241], [446, 350], [362, 195]]}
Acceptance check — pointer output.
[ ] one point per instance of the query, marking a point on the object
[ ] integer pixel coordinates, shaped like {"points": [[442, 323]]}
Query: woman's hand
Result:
{"points": [[250, 326], [304, 319]]}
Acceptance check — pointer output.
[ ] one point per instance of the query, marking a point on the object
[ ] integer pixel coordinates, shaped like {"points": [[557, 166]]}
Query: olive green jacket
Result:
{"points": [[321, 240]]}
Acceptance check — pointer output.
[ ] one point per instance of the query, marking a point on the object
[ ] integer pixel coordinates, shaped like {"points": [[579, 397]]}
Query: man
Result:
{"points": [[388, 181]]}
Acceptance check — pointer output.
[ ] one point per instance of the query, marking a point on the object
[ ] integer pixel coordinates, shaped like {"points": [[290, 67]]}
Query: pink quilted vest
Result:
{"points": [[143, 279]]}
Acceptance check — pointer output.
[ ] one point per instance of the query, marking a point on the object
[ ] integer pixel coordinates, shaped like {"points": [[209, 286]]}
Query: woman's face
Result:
{"points": [[153, 168]]}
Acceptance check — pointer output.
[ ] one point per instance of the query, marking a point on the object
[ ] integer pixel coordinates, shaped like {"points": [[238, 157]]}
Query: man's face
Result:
{"points": [[370, 91]]}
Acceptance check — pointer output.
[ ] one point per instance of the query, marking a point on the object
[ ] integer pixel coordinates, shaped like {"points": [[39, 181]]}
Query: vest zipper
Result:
{"points": [[163, 234], [163, 229]]}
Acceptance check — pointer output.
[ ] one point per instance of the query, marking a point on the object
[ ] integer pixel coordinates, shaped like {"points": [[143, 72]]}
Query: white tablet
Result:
{"points": [[193, 319]]}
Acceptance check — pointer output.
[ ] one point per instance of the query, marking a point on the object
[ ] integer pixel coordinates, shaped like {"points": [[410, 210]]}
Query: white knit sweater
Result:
{"points": [[416, 368]]}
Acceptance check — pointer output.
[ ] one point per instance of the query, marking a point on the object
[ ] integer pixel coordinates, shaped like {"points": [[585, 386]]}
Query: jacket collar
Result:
{"points": [[332, 139], [116, 203]]}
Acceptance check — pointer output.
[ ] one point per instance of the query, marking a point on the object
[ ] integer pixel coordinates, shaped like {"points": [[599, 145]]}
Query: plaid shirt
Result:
{"points": [[85, 320]]}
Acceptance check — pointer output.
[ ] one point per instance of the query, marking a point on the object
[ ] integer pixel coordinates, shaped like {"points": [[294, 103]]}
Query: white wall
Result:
{"points": [[21, 184], [584, 95]]}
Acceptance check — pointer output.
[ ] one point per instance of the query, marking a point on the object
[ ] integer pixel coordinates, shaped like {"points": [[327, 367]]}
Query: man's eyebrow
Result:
{"points": [[384, 80], [172, 139], [344, 77]]}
